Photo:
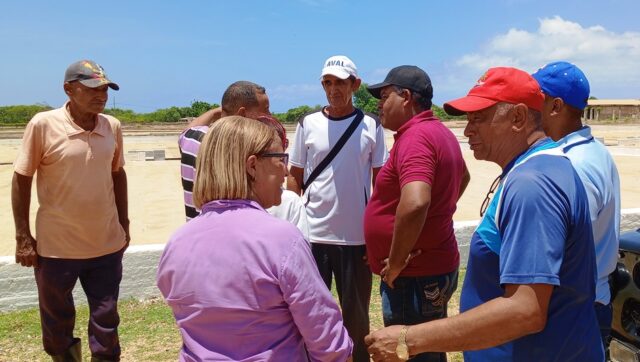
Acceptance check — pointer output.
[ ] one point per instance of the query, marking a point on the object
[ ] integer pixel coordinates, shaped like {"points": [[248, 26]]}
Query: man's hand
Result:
{"points": [[127, 236], [389, 273], [382, 343], [26, 252]]}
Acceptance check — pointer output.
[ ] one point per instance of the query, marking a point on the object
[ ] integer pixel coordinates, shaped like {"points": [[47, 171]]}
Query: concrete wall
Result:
{"points": [[18, 289]]}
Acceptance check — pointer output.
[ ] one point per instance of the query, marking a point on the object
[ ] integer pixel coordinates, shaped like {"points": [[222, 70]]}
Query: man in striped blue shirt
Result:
{"points": [[566, 91]]}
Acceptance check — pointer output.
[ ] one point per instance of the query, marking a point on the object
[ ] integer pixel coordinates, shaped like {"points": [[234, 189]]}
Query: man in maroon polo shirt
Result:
{"points": [[408, 222]]}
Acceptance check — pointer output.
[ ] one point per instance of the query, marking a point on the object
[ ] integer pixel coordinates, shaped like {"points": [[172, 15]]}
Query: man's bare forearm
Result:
{"points": [[20, 202], [121, 197], [493, 323], [294, 181], [206, 118]]}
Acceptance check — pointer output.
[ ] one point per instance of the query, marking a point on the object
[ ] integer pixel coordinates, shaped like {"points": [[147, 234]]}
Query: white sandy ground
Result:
{"points": [[155, 193]]}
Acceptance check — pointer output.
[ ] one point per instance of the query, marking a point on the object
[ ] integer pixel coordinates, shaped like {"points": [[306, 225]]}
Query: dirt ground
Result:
{"points": [[155, 193]]}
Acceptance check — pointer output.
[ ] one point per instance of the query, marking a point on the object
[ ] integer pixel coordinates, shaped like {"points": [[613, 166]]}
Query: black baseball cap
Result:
{"points": [[405, 76]]}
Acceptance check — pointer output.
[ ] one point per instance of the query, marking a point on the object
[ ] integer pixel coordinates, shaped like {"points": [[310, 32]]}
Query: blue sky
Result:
{"points": [[165, 53]]}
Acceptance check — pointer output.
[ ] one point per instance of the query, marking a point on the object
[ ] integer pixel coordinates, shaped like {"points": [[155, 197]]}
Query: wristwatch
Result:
{"points": [[402, 351]]}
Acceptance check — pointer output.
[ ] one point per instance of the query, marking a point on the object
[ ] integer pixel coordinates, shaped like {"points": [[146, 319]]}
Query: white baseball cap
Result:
{"points": [[339, 66]]}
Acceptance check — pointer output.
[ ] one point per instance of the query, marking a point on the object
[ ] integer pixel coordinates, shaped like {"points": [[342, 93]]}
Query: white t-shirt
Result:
{"points": [[335, 201], [292, 209]]}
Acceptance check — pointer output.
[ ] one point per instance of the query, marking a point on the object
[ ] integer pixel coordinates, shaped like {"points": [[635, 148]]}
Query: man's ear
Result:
{"points": [[242, 111], [556, 106], [250, 166], [407, 95], [67, 88], [356, 84], [520, 116]]}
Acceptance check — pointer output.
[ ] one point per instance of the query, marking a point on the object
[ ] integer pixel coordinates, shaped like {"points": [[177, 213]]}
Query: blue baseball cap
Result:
{"points": [[564, 80]]}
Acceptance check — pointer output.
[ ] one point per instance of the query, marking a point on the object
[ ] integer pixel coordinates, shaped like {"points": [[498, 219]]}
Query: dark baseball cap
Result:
{"points": [[89, 73], [405, 76]]}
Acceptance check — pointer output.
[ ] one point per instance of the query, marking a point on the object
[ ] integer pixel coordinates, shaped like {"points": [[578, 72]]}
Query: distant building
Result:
{"points": [[612, 109]]}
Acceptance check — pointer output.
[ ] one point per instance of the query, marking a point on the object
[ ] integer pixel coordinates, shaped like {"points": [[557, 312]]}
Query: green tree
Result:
{"points": [[20, 114], [364, 100], [294, 114], [199, 107]]}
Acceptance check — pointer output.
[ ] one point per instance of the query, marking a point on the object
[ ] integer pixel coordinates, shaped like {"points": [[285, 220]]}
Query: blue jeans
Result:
{"points": [[417, 300]]}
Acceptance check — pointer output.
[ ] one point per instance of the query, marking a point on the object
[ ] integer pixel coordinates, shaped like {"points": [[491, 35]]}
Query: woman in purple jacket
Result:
{"points": [[243, 285]]}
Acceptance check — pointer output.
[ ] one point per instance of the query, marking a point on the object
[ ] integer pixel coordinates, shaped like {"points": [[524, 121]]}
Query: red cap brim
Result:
{"points": [[460, 106]]}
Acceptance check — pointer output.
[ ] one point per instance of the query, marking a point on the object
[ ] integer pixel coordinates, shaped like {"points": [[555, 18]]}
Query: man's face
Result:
{"points": [[339, 91], [489, 133], [390, 108], [86, 99], [262, 109]]}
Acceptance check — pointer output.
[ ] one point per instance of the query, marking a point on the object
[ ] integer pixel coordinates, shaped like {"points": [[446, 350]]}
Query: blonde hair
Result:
{"points": [[221, 162]]}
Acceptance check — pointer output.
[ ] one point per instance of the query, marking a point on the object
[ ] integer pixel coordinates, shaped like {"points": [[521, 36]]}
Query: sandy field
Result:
{"points": [[155, 193]]}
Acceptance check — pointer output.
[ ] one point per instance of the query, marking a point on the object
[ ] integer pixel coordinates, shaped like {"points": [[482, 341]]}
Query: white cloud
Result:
{"points": [[610, 60]]}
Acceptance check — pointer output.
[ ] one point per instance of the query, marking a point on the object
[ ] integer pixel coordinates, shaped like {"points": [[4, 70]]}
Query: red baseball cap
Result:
{"points": [[500, 84]]}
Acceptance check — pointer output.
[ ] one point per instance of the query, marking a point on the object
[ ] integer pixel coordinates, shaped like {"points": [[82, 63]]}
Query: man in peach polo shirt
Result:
{"points": [[82, 226]]}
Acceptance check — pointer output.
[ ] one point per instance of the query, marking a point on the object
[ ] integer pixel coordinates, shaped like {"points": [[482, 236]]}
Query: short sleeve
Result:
{"points": [[380, 154], [31, 150], [298, 152], [416, 160], [533, 225]]}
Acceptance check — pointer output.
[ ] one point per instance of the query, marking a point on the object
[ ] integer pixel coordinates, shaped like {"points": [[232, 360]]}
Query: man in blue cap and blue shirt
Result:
{"points": [[566, 91]]}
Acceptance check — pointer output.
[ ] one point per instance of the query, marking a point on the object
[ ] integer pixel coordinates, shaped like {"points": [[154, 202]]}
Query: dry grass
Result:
{"points": [[147, 330]]}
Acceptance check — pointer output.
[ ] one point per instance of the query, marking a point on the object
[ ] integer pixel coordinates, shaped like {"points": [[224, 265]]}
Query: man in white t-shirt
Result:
{"points": [[336, 198]]}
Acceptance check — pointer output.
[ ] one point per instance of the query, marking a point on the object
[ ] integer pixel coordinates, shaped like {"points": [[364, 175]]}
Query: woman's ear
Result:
{"points": [[250, 166]]}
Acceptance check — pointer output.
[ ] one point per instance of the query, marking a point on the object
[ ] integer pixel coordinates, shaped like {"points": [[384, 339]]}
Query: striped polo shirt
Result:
{"points": [[189, 143]]}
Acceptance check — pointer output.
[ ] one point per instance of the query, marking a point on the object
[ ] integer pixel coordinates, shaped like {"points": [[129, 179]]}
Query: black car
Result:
{"points": [[625, 281]]}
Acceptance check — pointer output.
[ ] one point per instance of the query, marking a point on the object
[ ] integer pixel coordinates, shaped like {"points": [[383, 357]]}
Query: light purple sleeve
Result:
{"points": [[312, 306]]}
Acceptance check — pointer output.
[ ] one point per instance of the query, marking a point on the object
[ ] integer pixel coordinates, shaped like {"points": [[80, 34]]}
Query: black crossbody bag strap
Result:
{"points": [[334, 151]]}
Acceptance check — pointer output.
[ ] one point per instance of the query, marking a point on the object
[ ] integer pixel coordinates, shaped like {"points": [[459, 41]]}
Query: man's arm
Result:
{"points": [[466, 177], [122, 203], [206, 118], [26, 252], [415, 198], [295, 179], [521, 311]]}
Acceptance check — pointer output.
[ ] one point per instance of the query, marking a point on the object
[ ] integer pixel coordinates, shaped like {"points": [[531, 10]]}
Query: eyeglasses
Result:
{"points": [[284, 157], [487, 199]]}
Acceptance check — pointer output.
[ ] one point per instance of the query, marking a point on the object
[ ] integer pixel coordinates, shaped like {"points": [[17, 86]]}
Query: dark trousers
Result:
{"points": [[415, 300], [353, 283], [100, 279], [604, 314]]}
